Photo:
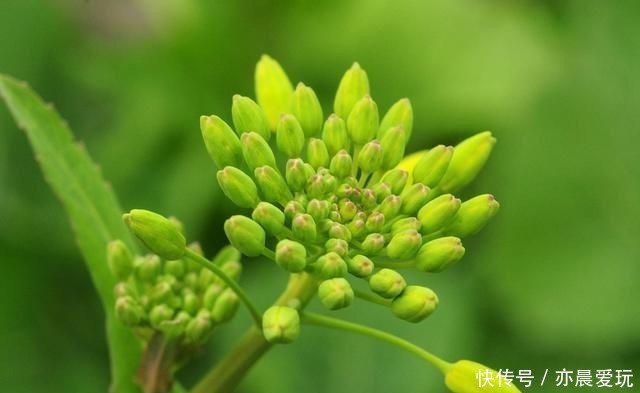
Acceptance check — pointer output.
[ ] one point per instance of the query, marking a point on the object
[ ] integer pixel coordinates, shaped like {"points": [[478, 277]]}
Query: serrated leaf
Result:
{"points": [[91, 205]]}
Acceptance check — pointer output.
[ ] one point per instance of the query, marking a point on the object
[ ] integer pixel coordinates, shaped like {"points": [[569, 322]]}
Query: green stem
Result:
{"points": [[334, 323], [230, 370], [244, 298], [371, 298]]}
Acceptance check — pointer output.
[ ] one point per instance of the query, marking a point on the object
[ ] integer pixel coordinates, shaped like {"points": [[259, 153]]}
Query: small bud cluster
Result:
{"points": [[174, 297], [337, 199]]}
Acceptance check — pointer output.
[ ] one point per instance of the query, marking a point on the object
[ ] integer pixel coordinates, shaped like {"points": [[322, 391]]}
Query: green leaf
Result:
{"points": [[91, 205]]}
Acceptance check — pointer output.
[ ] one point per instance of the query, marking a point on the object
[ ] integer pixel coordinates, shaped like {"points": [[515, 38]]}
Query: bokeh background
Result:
{"points": [[553, 282]]}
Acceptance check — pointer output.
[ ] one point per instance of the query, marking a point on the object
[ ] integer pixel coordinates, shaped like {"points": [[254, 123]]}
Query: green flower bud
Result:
{"points": [[249, 117], [341, 164], [122, 289], [211, 294], [370, 157], [347, 209], [380, 191], [245, 235], [362, 123], [292, 209], [317, 153], [318, 209], [269, 217], [339, 246], [128, 311], [221, 142], [405, 224], [439, 254], [281, 325], [176, 268], [289, 136], [156, 232], [175, 327], [468, 159], [199, 328], [375, 222], [161, 292], [339, 231], [335, 293], [148, 267], [331, 265], [438, 212], [306, 107], [357, 227], [256, 151], [225, 306], [159, 314], [373, 244], [272, 185], [205, 278], [404, 245], [396, 179], [334, 134], [432, 165], [304, 227], [387, 283], [291, 256], [393, 143], [414, 304], [473, 215], [119, 259], [400, 114], [462, 377], [238, 187], [353, 86], [413, 198], [360, 266], [226, 254], [390, 207], [232, 268], [273, 89], [296, 174], [316, 186], [190, 302]]}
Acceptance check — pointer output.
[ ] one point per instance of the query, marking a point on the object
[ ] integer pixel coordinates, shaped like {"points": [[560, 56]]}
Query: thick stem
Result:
{"points": [[229, 371]]}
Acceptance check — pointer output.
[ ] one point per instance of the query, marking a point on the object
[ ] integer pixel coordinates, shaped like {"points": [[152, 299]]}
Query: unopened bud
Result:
{"points": [[414, 197], [306, 107], [353, 86], [438, 212], [292, 209], [159, 314], [339, 231], [404, 245], [432, 165], [289, 136], [190, 302], [211, 294], [272, 185], [317, 153], [273, 89], [375, 222], [373, 244], [347, 209], [176, 268], [473, 215], [462, 377], [381, 191], [396, 179], [387, 283], [249, 117], [393, 142], [405, 224], [318, 209], [335, 293], [291, 255], [304, 227], [296, 174], [390, 207], [199, 328], [357, 227], [331, 265], [400, 114], [221, 142], [119, 259], [339, 246], [232, 268], [269, 217], [157, 233], [148, 267], [245, 235], [128, 311], [225, 306], [439, 254], [281, 324], [370, 157], [362, 123], [334, 134], [360, 266], [256, 151], [238, 187], [468, 159], [415, 303], [341, 164]]}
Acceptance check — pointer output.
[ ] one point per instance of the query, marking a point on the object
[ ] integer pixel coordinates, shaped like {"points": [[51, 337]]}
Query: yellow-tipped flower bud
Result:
{"points": [[362, 123], [438, 212], [273, 89], [353, 86], [306, 107], [304, 227], [249, 117], [256, 151], [404, 245], [396, 179], [390, 207], [225, 306], [393, 142], [221, 142], [317, 153], [405, 224], [291, 256], [318, 209], [473, 215], [432, 165], [414, 197], [339, 246], [341, 164], [370, 157], [331, 265], [245, 235], [272, 185], [297, 174], [335, 293], [238, 187], [157, 233], [387, 283], [269, 217], [468, 159], [281, 325], [119, 259], [462, 377], [360, 266], [128, 311], [334, 134], [415, 303], [375, 222], [373, 244], [289, 136], [439, 254], [400, 114]]}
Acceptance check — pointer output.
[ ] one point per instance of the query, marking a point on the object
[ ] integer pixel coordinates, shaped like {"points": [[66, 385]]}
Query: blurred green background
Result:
{"points": [[552, 283]]}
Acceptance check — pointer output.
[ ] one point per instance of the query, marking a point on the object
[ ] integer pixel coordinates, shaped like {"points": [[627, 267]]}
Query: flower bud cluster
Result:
{"points": [[335, 197], [177, 298]]}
